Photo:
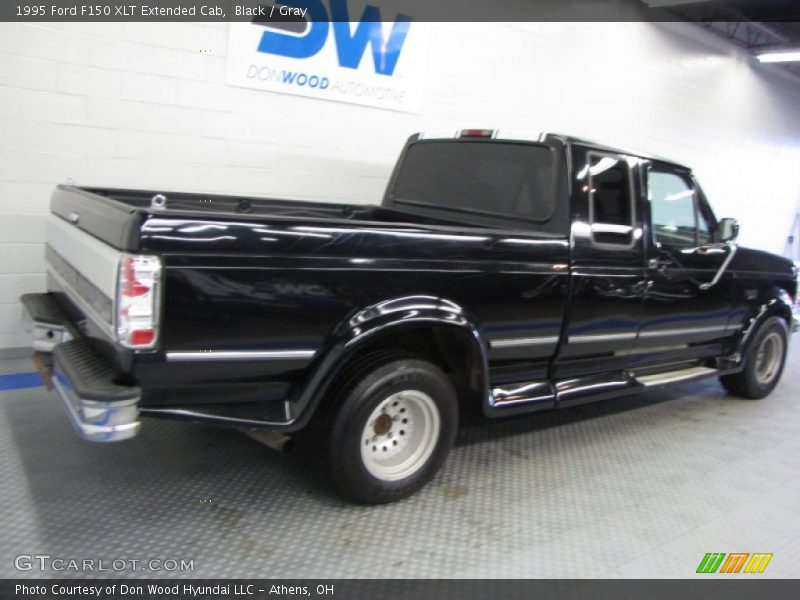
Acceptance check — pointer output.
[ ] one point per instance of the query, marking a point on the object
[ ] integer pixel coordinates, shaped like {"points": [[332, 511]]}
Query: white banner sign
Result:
{"points": [[370, 62]]}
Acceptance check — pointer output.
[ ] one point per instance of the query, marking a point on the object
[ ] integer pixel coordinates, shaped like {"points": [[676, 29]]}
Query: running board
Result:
{"points": [[519, 398], [673, 376], [526, 397]]}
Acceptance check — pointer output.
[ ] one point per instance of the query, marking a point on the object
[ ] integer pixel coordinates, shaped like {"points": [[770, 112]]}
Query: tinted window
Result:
{"points": [[483, 177], [674, 210], [610, 196]]}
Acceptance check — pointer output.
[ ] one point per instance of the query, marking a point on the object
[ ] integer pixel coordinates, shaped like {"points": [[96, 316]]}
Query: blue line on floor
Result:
{"points": [[19, 381]]}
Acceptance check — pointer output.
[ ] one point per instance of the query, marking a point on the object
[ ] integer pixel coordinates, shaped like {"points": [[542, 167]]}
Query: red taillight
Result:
{"points": [[143, 337], [137, 301], [476, 133], [132, 287]]}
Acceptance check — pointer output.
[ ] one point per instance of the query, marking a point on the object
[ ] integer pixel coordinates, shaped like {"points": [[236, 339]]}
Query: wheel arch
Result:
{"points": [[777, 304], [432, 328]]}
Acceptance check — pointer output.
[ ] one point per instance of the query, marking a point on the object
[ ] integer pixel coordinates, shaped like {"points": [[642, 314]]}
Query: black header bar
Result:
{"points": [[400, 589], [265, 11]]}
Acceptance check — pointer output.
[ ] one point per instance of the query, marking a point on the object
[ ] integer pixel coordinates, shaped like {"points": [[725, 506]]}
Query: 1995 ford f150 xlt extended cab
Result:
{"points": [[502, 273]]}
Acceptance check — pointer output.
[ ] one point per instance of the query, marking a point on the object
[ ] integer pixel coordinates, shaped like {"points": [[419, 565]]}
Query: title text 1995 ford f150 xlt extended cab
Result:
{"points": [[503, 273]]}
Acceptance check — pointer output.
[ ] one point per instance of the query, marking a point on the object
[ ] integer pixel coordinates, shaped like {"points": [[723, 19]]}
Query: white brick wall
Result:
{"points": [[138, 105]]}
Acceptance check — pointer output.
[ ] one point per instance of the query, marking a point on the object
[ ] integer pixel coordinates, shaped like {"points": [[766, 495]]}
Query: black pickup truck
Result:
{"points": [[505, 273]]}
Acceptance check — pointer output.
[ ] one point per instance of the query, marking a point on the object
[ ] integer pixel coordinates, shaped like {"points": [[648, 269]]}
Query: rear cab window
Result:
{"points": [[497, 182]]}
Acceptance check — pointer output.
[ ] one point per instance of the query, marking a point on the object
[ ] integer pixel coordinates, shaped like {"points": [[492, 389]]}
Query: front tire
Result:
{"points": [[392, 431], [763, 362]]}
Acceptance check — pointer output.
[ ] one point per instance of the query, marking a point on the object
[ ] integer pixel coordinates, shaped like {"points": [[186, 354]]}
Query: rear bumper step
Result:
{"points": [[100, 408]]}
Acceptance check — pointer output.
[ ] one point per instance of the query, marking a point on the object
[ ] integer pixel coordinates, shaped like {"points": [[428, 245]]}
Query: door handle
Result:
{"points": [[711, 250], [659, 263]]}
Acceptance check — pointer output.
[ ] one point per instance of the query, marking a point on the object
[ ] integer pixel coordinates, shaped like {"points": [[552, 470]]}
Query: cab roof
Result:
{"points": [[524, 135]]}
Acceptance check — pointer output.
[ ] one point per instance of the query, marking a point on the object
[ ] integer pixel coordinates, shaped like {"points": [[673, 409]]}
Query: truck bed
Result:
{"points": [[233, 205], [114, 215]]}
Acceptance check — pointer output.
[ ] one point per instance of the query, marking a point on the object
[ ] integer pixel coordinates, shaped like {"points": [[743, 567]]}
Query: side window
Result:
{"points": [[610, 200], [673, 208]]}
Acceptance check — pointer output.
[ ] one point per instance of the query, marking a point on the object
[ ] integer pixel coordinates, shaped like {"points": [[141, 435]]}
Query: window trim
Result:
{"points": [[705, 210], [624, 159]]}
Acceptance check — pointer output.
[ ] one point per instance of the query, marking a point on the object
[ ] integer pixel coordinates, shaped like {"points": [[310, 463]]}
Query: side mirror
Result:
{"points": [[728, 229]]}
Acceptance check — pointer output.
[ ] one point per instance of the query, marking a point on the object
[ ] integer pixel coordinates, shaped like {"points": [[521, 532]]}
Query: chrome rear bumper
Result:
{"points": [[49, 325], [94, 420], [86, 382]]}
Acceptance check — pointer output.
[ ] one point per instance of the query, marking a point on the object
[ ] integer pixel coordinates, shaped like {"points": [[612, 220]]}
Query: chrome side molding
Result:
{"points": [[220, 355], [527, 341]]}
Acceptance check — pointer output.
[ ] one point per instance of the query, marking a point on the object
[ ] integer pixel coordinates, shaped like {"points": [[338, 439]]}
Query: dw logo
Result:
{"points": [[350, 47]]}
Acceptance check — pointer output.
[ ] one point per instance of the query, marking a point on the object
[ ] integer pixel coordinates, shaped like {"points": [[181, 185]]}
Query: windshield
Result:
{"points": [[479, 177]]}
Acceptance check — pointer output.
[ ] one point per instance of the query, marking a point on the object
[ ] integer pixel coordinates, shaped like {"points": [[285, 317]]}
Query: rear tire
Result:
{"points": [[391, 431], [764, 360]]}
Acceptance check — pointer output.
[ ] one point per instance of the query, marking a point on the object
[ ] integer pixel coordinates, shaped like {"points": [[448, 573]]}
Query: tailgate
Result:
{"points": [[104, 218], [86, 236], [85, 269]]}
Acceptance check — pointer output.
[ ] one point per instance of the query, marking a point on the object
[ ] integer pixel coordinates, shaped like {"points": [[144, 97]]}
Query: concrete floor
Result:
{"points": [[641, 486]]}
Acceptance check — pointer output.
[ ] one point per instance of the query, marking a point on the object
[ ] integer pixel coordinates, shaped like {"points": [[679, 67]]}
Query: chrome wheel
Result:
{"points": [[400, 435], [769, 358]]}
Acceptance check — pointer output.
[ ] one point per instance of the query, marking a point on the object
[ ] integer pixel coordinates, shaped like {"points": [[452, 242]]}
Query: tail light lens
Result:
{"points": [[484, 133], [137, 301]]}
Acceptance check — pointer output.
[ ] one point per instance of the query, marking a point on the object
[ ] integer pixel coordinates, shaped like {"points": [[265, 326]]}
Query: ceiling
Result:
{"points": [[758, 25]]}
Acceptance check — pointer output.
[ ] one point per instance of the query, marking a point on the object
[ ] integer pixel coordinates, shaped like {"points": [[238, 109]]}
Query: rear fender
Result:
{"points": [[397, 315]]}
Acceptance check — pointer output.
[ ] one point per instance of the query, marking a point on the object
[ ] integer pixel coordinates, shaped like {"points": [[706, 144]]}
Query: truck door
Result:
{"points": [[607, 276], [684, 315]]}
